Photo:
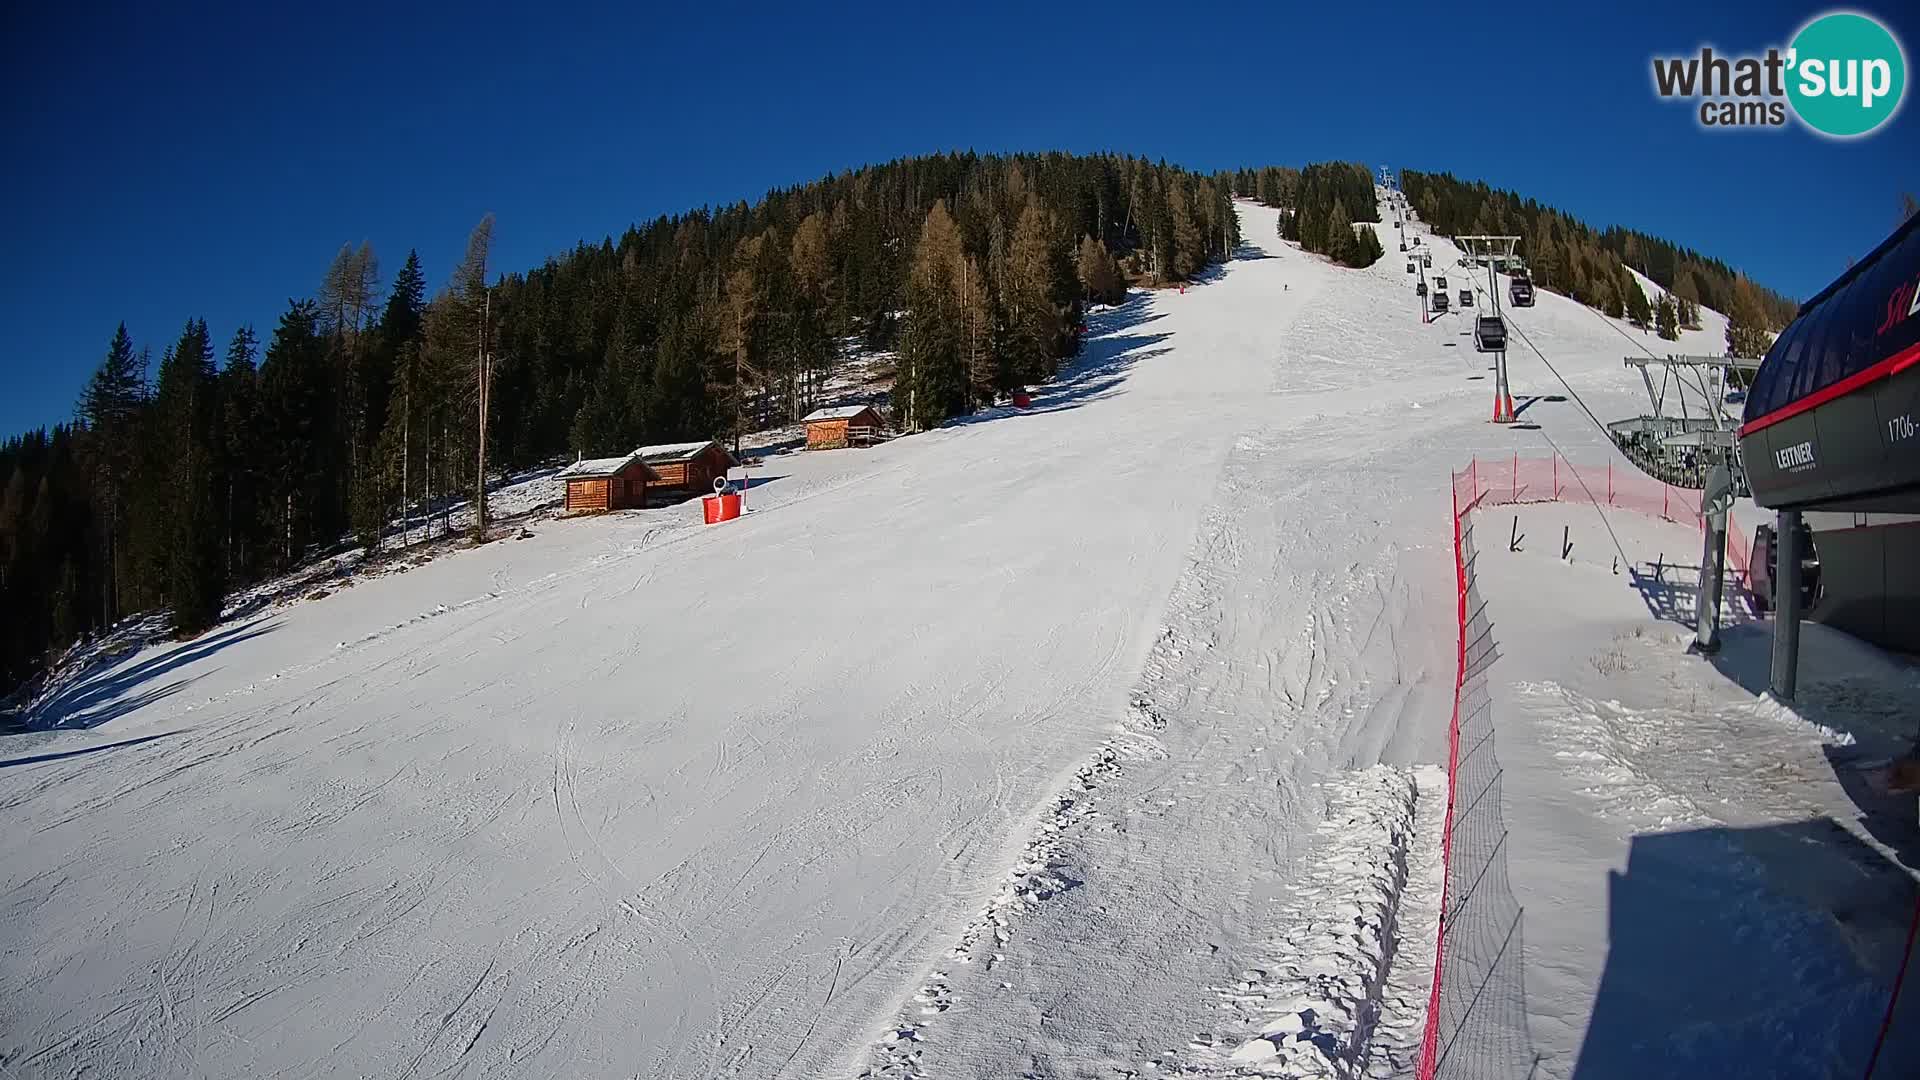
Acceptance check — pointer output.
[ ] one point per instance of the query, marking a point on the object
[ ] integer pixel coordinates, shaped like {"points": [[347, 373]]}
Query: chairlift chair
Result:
{"points": [[1409, 266], [1440, 282], [1420, 289], [1466, 297], [1439, 300], [1490, 334]]}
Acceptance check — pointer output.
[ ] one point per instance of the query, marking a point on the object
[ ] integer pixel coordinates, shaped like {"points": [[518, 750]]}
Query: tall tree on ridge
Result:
{"points": [[1747, 334], [242, 461], [293, 394], [1639, 311], [933, 351], [1667, 317], [186, 409], [458, 342], [110, 408]]}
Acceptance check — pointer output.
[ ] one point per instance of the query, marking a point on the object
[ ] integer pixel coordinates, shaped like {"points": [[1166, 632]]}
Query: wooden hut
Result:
{"points": [[596, 484], [846, 425], [685, 469]]}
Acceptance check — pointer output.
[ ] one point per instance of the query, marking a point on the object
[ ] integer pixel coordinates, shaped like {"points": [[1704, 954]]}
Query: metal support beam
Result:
{"points": [[1715, 500], [1706, 610], [1786, 605]]}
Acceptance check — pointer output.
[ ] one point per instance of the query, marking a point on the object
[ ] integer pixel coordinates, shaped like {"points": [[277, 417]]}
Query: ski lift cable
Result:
{"points": [[1699, 377], [1598, 506], [1575, 394]]}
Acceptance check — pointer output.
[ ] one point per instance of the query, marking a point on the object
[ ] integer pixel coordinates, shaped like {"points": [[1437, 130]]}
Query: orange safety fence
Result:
{"points": [[1508, 481], [1476, 1025]]}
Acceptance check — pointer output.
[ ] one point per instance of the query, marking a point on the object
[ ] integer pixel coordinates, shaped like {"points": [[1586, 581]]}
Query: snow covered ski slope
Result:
{"points": [[1001, 750]]}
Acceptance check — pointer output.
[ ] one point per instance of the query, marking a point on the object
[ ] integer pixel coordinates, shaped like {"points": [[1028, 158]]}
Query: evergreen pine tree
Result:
{"points": [[400, 321], [1639, 312], [981, 346], [681, 407], [1667, 318], [1189, 248], [242, 456], [1368, 250], [110, 408], [1341, 246], [186, 408], [293, 389]]}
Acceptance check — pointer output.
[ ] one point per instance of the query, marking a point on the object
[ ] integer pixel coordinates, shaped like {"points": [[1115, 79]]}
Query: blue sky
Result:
{"points": [[166, 162]]}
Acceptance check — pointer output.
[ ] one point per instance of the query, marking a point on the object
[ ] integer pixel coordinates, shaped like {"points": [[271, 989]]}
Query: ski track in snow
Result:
{"points": [[984, 752]]}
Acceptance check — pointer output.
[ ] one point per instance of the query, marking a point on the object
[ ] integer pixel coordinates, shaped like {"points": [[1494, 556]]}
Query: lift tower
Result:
{"points": [[1701, 445], [1495, 252]]}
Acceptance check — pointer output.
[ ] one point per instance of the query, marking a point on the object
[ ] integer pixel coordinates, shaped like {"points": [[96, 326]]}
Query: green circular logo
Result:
{"points": [[1846, 74]]}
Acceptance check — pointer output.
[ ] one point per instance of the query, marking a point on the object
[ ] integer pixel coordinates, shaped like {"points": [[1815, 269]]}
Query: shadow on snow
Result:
{"points": [[1109, 351], [1758, 951], [105, 693], [37, 759]]}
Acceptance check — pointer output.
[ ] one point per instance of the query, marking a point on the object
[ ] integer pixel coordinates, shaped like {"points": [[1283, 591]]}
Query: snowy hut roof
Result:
{"points": [[838, 412], [606, 466], [666, 453]]}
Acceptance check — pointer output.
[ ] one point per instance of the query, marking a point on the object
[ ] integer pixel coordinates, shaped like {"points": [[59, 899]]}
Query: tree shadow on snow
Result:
{"points": [[1760, 951], [1215, 271], [105, 693], [1109, 351], [36, 759]]}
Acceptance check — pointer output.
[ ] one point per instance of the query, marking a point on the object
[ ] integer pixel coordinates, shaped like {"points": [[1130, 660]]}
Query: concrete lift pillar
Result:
{"points": [[1786, 604], [1495, 250]]}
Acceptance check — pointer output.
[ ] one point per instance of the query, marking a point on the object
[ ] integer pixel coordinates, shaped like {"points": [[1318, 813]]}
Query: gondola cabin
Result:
{"points": [[846, 425], [1490, 334], [600, 484], [1832, 429]]}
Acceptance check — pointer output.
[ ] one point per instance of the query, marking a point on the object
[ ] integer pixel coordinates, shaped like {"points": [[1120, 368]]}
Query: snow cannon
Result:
{"points": [[722, 505]]}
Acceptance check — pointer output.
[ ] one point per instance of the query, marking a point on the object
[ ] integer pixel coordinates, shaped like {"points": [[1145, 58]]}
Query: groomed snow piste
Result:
{"points": [[1052, 743]]}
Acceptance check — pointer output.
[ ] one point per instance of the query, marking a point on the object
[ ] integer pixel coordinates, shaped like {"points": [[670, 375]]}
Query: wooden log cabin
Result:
{"points": [[845, 425], [597, 484], [684, 469]]}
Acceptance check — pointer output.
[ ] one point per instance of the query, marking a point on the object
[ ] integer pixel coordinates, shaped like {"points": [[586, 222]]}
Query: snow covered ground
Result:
{"points": [[1752, 919], [1084, 740]]}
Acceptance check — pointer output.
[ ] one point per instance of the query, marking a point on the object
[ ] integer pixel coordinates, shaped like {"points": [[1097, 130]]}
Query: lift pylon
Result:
{"points": [[1495, 251]]}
